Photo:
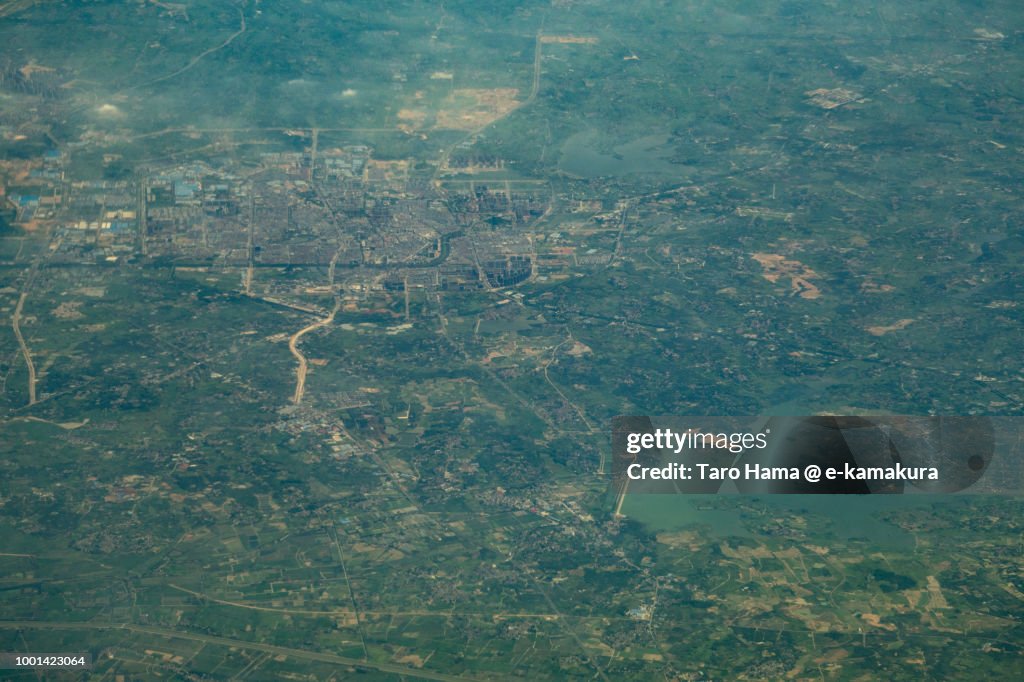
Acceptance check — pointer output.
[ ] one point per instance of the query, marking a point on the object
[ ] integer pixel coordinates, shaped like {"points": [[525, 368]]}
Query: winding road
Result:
{"points": [[198, 58], [293, 346]]}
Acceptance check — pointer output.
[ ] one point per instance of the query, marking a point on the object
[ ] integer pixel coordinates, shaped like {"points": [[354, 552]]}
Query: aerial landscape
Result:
{"points": [[315, 316]]}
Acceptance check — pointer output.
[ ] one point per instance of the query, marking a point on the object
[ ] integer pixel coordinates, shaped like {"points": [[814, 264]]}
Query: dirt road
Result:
{"points": [[293, 346]]}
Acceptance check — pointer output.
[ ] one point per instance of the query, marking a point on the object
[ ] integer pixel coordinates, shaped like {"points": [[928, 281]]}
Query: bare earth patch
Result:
{"points": [[471, 108], [377, 170], [880, 330], [875, 621], [777, 267], [569, 40], [986, 34], [411, 119], [870, 287], [831, 99], [68, 310], [936, 600], [411, 659], [579, 349], [32, 68]]}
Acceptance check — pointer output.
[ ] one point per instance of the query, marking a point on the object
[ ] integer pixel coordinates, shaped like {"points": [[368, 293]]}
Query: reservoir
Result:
{"points": [[583, 156], [837, 517]]}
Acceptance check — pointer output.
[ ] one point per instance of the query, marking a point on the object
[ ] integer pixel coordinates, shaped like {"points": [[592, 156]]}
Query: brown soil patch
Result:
{"points": [[384, 170], [569, 40], [985, 34], [68, 310], [579, 349], [873, 288], [411, 119], [936, 600], [833, 656], [831, 99], [678, 539], [777, 267], [471, 108], [765, 213], [880, 330], [30, 69], [875, 621]]}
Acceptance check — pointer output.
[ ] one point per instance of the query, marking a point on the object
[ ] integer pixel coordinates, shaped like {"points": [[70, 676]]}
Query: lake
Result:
{"points": [[844, 517], [582, 156]]}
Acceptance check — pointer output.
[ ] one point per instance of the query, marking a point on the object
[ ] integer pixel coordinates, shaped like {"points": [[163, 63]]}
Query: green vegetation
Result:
{"points": [[313, 318]]}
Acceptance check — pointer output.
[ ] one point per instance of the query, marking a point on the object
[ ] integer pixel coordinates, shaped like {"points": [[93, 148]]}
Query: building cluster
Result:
{"points": [[375, 224]]}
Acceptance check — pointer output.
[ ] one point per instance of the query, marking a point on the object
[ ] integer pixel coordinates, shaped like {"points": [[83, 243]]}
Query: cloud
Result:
{"points": [[109, 111]]}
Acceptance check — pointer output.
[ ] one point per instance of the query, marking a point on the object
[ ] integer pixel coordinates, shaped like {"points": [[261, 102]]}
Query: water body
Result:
{"points": [[844, 517], [582, 156]]}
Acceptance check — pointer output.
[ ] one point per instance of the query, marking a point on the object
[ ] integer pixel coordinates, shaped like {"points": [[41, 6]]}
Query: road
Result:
{"points": [[198, 58], [250, 243], [420, 613], [9, 8], [16, 323], [293, 346], [563, 396], [234, 643], [442, 164]]}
